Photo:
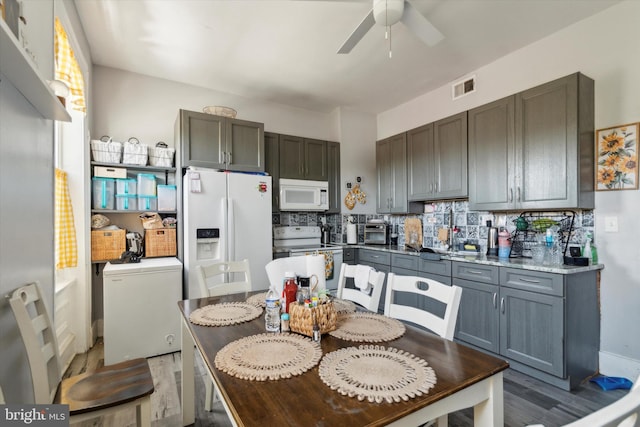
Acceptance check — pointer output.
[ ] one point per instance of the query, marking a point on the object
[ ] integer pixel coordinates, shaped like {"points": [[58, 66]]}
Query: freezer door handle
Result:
{"points": [[231, 229]]}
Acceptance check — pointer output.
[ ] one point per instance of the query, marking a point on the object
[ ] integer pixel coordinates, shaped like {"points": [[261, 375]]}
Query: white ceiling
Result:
{"points": [[285, 51]]}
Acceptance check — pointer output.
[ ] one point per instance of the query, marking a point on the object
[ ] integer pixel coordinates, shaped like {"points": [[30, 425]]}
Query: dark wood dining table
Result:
{"points": [[465, 378]]}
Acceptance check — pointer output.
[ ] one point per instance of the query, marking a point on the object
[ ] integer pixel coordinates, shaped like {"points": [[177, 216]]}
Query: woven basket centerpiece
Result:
{"points": [[302, 318]]}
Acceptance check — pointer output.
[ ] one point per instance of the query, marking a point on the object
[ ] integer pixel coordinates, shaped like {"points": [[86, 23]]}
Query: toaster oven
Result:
{"points": [[376, 233]]}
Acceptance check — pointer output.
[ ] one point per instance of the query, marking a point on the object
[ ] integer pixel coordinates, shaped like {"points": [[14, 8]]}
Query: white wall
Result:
{"points": [[604, 47], [129, 104], [357, 134]]}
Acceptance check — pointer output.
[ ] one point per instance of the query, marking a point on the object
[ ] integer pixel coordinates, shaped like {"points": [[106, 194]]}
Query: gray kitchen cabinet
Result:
{"points": [[349, 255], [534, 150], [478, 320], [546, 324], [437, 160], [272, 167], [303, 158], [532, 328], [333, 173], [391, 168], [217, 142]]}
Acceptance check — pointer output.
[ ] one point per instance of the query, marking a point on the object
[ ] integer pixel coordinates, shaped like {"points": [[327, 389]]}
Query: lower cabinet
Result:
{"points": [[546, 324]]}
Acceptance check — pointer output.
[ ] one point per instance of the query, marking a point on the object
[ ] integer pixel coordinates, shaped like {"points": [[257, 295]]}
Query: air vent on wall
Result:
{"points": [[463, 87]]}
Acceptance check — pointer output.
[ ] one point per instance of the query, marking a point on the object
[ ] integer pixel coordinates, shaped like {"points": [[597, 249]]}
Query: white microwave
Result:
{"points": [[303, 195]]}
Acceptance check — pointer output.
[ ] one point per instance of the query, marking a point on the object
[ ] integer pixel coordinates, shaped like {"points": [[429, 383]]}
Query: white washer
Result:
{"points": [[141, 316]]}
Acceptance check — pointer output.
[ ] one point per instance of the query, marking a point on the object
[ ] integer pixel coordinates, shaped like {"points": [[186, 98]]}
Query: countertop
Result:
{"points": [[523, 263]]}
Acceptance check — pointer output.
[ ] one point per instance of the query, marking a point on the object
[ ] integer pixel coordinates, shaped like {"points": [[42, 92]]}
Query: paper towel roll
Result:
{"points": [[352, 234]]}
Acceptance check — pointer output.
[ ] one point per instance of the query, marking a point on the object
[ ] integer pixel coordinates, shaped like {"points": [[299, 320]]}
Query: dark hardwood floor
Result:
{"points": [[526, 400]]}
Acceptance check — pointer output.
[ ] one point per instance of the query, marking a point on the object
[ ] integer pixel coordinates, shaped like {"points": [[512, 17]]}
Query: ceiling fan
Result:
{"points": [[389, 12]]}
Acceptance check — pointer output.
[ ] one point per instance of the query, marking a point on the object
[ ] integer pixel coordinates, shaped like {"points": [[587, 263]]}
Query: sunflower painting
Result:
{"points": [[617, 158]]}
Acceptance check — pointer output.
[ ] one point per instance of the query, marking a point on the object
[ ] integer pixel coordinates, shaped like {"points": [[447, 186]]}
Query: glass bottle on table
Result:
{"points": [[289, 290]]}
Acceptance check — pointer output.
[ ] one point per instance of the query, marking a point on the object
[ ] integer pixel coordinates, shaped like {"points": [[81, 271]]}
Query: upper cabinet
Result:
{"points": [[391, 167], [296, 157], [437, 160], [272, 167], [303, 158], [333, 167], [534, 150], [221, 143]]}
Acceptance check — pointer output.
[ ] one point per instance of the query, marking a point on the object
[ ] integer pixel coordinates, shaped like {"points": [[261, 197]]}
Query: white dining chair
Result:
{"points": [[304, 265], [368, 284], [223, 278], [624, 412], [448, 295], [443, 326], [89, 395]]}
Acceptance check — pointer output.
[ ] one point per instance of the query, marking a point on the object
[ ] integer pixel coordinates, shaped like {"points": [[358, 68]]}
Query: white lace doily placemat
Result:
{"points": [[376, 373], [258, 299], [343, 306], [224, 314], [268, 356], [367, 327]]}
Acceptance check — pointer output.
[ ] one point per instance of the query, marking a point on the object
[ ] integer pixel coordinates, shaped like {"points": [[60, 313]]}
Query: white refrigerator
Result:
{"points": [[227, 217]]}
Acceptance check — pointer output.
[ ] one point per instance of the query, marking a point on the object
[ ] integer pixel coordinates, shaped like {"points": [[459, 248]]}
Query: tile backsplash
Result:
{"points": [[471, 224]]}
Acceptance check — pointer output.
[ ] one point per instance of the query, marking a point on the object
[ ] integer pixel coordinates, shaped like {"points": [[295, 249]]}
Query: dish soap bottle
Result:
{"points": [[590, 251], [586, 250]]}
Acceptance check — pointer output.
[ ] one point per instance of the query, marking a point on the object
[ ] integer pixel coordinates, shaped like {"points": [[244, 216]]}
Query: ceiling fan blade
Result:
{"points": [[420, 26], [358, 33]]}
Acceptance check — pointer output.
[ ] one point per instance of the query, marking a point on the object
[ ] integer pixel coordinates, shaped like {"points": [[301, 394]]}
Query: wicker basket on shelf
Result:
{"points": [[301, 318]]}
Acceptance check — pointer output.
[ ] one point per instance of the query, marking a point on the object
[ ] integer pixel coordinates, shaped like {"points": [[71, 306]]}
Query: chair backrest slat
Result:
{"points": [[449, 295], [39, 340], [219, 278]]}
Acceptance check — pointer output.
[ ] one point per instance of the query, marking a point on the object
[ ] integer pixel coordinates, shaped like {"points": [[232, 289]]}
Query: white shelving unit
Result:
{"points": [[16, 66]]}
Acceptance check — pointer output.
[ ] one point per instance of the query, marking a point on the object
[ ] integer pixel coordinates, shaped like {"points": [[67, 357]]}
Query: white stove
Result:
{"points": [[302, 240]]}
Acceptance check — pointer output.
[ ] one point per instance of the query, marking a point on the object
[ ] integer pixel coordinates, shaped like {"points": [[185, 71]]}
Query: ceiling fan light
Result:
{"points": [[387, 12]]}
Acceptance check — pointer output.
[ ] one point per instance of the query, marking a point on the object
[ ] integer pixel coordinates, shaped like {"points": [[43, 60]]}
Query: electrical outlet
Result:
{"points": [[611, 224]]}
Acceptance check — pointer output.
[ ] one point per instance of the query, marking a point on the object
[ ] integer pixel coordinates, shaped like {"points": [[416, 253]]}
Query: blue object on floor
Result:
{"points": [[612, 383]]}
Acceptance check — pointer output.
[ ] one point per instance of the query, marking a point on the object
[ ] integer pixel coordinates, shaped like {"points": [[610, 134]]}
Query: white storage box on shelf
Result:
{"points": [[103, 190], [126, 186], [147, 184], [109, 172], [127, 202], [167, 198], [147, 202], [105, 150], [135, 153], [161, 155]]}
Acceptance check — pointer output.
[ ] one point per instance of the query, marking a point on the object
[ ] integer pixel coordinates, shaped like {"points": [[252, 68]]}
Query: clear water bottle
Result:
{"points": [[272, 311]]}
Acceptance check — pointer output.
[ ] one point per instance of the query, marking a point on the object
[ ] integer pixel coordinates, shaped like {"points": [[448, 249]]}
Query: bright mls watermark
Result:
{"points": [[16, 414]]}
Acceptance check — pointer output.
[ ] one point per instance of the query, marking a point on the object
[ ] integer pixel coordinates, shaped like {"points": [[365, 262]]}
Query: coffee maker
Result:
{"points": [[492, 239]]}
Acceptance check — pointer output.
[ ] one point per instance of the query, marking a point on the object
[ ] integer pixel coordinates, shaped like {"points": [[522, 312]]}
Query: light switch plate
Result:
{"points": [[611, 224]]}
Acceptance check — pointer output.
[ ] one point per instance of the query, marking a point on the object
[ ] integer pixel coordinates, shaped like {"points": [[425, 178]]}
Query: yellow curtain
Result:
{"points": [[67, 68], [65, 231]]}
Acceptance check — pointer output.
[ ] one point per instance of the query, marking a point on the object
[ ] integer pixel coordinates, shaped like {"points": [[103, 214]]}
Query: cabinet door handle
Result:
{"points": [[430, 188], [228, 158], [524, 279], [495, 300], [510, 195], [518, 194], [502, 305], [475, 271]]}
